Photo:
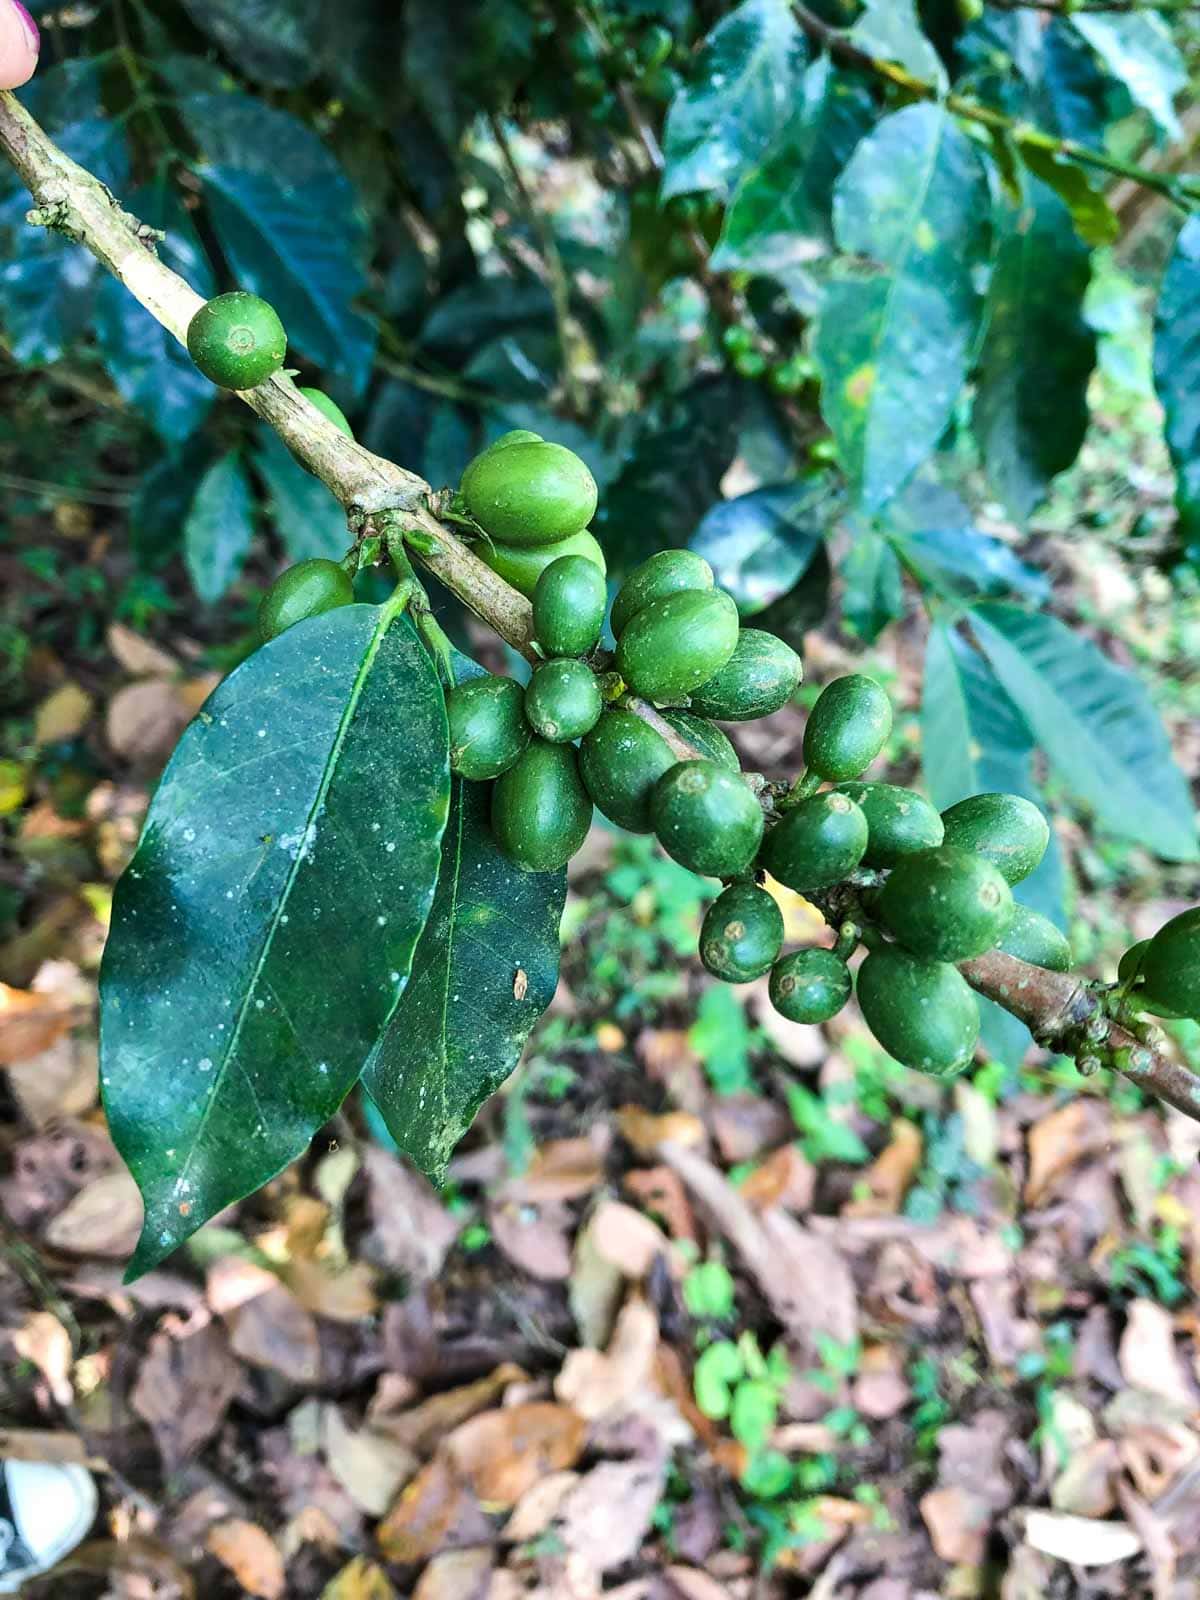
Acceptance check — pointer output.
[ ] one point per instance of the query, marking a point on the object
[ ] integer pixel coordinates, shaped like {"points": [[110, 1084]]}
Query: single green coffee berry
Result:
{"points": [[523, 567], [922, 1012], [329, 408], [809, 985], [946, 904], [563, 700], [1034, 938], [237, 340], [667, 572], [1006, 829], [741, 934], [847, 727], [305, 590], [671, 646], [516, 436], [1170, 968], [530, 493], [621, 760], [818, 842], [540, 810], [707, 819], [488, 730], [760, 676], [569, 601], [712, 744], [899, 821]]}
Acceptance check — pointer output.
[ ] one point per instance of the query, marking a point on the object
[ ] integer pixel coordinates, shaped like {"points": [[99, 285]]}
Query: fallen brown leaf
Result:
{"points": [[958, 1524], [1148, 1357], [659, 1189], [597, 1385], [606, 1516], [417, 1525], [692, 1584], [343, 1295], [1085, 1486], [645, 1131], [61, 1081], [370, 1466], [62, 715], [534, 1238], [456, 1575], [1060, 1141], [784, 1179], [421, 1428], [252, 1556], [44, 1341], [139, 656], [144, 720], [413, 1232], [30, 1023], [889, 1177], [104, 1219], [360, 1580], [499, 1454], [273, 1330], [184, 1387], [563, 1169], [538, 1507], [1082, 1541]]}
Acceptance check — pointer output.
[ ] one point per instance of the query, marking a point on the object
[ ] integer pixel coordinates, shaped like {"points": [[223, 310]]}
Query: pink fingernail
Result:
{"points": [[31, 27]]}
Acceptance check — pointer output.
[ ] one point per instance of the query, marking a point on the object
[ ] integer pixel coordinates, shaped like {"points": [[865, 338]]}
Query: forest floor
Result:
{"points": [[711, 1306]]}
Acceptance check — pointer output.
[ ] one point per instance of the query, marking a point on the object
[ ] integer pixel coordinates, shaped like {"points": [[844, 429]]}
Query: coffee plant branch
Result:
{"points": [[1062, 1012], [1065, 8], [844, 49]]}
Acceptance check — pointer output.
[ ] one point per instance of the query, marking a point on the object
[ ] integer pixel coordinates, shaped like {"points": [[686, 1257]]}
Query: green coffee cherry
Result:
{"points": [[672, 646], [237, 340], [569, 601], [712, 744], [818, 842], [899, 822], [741, 934], [305, 590], [946, 904], [1006, 829], [668, 572], [529, 494], [847, 727], [1170, 968], [707, 819], [760, 676], [540, 810], [329, 408], [621, 760], [750, 363], [523, 567], [515, 436], [488, 730], [809, 985], [922, 1012], [563, 700], [1034, 938]]}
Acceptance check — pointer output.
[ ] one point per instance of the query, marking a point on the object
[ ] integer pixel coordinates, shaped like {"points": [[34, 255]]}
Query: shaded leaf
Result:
{"points": [[1031, 402], [896, 329], [1138, 50], [873, 593], [933, 529], [272, 41], [219, 527], [1177, 370], [307, 517], [742, 90], [890, 30], [760, 544], [1096, 724], [780, 214], [1072, 82], [484, 971], [264, 931], [158, 511], [1095, 221]]}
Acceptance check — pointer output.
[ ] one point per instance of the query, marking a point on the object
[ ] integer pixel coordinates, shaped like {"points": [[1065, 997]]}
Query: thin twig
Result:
{"points": [[556, 275]]}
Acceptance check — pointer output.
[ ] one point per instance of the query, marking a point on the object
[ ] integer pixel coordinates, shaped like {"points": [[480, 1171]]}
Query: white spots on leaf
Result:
{"points": [[299, 846], [206, 1065]]}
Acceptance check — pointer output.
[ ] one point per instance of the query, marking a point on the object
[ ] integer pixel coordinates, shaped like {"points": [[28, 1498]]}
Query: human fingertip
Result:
{"points": [[31, 28]]}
